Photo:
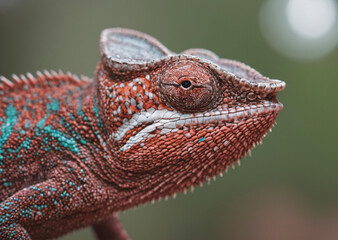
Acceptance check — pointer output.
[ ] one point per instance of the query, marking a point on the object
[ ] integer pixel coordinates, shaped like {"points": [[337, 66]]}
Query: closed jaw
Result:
{"points": [[165, 121]]}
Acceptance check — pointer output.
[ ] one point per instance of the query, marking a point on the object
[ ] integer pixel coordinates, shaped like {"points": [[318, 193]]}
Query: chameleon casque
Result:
{"points": [[151, 123]]}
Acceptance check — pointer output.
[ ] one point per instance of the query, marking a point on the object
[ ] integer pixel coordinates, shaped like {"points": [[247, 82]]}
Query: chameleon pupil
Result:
{"points": [[186, 84]]}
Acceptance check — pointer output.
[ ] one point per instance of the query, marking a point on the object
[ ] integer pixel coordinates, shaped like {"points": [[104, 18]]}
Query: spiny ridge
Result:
{"points": [[41, 79]]}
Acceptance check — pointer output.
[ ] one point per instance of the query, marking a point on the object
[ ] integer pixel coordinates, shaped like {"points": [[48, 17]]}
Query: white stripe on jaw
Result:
{"points": [[151, 115], [167, 121]]}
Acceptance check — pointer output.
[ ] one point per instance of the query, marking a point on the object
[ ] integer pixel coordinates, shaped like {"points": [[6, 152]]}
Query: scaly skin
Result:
{"points": [[152, 123]]}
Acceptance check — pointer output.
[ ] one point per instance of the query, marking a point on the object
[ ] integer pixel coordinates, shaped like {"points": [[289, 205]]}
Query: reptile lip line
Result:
{"points": [[167, 121]]}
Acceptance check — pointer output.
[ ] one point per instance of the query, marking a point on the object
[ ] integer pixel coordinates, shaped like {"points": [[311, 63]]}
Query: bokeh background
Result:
{"points": [[288, 189]]}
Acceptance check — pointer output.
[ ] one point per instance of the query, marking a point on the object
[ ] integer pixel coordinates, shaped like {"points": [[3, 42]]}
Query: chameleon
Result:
{"points": [[74, 151]]}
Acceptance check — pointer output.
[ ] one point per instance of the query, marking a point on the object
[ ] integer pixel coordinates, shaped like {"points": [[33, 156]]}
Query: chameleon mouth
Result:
{"points": [[161, 122], [236, 114]]}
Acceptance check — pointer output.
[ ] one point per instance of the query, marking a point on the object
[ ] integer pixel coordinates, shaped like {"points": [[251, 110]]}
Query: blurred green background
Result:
{"points": [[288, 189]]}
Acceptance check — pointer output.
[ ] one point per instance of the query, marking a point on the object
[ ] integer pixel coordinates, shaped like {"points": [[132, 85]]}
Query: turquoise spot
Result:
{"points": [[25, 144], [7, 127], [27, 124], [54, 106], [201, 140], [65, 141], [71, 116], [41, 123], [97, 115]]}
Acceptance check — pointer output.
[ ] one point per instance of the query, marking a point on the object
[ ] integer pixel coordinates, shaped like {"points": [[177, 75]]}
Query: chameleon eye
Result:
{"points": [[188, 86]]}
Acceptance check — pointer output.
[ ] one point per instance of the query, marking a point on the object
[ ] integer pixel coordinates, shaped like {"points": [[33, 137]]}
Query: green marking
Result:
{"points": [[7, 127], [54, 106], [97, 115], [41, 123], [64, 140], [25, 144]]}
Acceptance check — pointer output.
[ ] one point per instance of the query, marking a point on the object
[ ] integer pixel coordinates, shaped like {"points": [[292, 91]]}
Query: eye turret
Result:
{"points": [[188, 86]]}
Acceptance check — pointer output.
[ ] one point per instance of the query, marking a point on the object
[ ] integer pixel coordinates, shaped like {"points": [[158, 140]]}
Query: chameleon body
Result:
{"points": [[151, 123]]}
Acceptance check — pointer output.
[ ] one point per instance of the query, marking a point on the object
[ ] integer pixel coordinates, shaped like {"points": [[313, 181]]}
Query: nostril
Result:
{"points": [[251, 96]]}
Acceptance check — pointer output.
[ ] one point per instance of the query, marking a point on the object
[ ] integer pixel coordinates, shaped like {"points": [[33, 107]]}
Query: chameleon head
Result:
{"points": [[175, 120]]}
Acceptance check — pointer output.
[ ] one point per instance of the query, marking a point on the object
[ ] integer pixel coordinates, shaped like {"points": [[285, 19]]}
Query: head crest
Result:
{"points": [[127, 52]]}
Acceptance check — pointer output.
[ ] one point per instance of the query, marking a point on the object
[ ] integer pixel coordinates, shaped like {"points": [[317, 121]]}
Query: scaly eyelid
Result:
{"points": [[177, 83], [181, 79], [193, 81], [186, 78]]}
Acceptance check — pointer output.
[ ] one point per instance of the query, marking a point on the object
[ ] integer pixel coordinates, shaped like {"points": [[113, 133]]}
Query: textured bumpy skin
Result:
{"points": [[151, 123]]}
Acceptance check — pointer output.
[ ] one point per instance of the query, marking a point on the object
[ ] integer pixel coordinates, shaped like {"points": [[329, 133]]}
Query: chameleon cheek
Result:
{"points": [[188, 87]]}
